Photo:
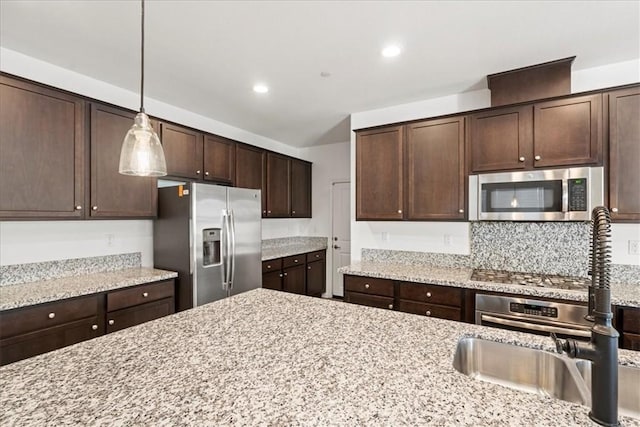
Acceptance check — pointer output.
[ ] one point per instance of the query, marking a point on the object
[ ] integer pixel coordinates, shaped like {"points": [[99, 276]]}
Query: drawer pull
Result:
{"points": [[614, 210], [111, 322], [309, 268], [295, 260], [145, 294], [78, 208], [428, 294], [94, 327], [537, 158], [428, 313], [317, 255], [366, 286], [280, 274], [52, 315], [390, 306], [268, 267], [285, 274]]}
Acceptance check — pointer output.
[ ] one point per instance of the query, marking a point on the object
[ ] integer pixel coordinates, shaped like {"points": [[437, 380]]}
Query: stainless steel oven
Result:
{"points": [[533, 316], [541, 195]]}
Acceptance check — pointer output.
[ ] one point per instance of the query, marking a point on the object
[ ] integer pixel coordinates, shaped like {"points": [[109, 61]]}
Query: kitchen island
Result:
{"points": [[271, 358]]}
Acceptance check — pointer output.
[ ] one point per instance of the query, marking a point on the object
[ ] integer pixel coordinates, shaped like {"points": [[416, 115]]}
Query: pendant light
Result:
{"points": [[141, 153]]}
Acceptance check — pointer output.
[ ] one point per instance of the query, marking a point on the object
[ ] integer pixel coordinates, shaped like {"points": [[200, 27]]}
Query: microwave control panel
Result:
{"points": [[578, 194]]}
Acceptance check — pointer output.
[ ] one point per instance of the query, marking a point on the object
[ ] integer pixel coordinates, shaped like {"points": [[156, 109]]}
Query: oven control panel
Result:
{"points": [[536, 310]]}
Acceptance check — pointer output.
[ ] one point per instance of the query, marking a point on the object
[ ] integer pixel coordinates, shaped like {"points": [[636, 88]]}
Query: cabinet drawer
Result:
{"points": [[31, 344], [315, 256], [440, 311], [431, 294], [132, 316], [368, 285], [41, 316], [272, 265], [141, 294], [631, 341], [631, 320], [369, 300], [294, 260]]}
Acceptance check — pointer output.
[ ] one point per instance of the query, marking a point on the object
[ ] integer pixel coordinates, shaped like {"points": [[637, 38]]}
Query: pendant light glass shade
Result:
{"points": [[142, 153]]}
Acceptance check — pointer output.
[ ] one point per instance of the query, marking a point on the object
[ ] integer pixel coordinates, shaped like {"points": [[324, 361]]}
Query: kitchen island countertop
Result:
{"points": [[271, 358], [621, 294]]}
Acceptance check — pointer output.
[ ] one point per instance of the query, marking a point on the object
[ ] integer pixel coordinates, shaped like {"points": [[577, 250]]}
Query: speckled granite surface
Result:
{"points": [[410, 257], [621, 294], [286, 246], [39, 292], [31, 272], [294, 361]]}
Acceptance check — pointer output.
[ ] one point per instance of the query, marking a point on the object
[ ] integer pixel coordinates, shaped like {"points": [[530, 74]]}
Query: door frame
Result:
{"points": [[329, 290]]}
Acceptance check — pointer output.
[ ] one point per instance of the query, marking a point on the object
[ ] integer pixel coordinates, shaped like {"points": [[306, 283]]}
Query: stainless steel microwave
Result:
{"points": [[540, 195]]}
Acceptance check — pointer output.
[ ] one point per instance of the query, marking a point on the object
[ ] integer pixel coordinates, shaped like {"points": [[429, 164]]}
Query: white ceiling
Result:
{"points": [[205, 56]]}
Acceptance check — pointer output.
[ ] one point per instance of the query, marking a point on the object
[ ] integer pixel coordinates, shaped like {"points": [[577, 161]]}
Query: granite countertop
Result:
{"points": [[25, 294], [272, 358], [269, 253], [621, 294]]}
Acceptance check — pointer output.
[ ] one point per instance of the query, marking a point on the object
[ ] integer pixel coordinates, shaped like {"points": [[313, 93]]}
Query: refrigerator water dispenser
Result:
{"points": [[211, 246]]}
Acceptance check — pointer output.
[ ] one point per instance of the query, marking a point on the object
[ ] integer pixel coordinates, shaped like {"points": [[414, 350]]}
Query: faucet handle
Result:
{"points": [[558, 342], [569, 346]]}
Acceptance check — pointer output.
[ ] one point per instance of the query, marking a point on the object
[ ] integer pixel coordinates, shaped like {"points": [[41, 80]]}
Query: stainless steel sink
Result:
{"points": [[628, 387], [541, 372], [521, 368]]}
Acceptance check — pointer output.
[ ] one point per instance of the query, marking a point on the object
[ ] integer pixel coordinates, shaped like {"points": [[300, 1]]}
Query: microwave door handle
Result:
{"points": [[565, 196], [536, 326]]}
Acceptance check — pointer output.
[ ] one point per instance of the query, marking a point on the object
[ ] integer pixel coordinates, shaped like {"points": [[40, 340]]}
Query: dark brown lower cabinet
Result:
{"points": [[272, 280], [631, 341], [316, 272], [29, 331], [294, 279], [369, 300], [303, 274], [628, 325], [432, 310], [369, 291]]}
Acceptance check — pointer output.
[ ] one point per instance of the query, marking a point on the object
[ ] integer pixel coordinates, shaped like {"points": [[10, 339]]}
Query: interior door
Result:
{"points": [[341, 234]]}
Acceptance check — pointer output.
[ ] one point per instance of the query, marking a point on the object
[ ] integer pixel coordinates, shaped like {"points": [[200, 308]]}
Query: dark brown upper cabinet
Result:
{"points": [[379, 174], [278, 186], [113, 194], [300, 189], [568, 132], [219, 159], [624, 154], [183, 151], [501, 139], [42, 149], [251, 170], [435, 169]]}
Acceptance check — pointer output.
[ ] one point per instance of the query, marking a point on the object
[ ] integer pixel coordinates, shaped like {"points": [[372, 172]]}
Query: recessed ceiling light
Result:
{"points": [[391, 51], [260, 88]]}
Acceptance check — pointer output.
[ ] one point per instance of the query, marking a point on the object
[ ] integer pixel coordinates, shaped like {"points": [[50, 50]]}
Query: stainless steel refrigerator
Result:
{"points": [[211, 235]]}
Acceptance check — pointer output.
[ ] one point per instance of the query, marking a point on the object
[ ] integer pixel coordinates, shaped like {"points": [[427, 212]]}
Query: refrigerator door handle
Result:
{"points": [[232, 254], [225, 250]]}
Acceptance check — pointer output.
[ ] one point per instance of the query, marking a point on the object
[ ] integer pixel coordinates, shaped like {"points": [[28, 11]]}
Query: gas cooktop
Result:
{"points": [[530, 279]]}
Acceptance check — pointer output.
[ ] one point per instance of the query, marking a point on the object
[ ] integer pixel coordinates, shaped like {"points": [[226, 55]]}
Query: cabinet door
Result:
{"points": [[219, 159], [500, 139], [42, 341], [113, 194], [132, 316], [278, 186], [568, 131], [316, 278], [182, 150], [294, 279], [300, 189], [379, 180], [272, 280], [435, 169], [624, 152], [42, 144], [250, 171]]}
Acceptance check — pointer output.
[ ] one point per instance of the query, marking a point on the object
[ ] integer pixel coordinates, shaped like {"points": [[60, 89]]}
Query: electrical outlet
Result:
{"points": [[384, 236], [634, 247], [447, 240], [110, 239]]}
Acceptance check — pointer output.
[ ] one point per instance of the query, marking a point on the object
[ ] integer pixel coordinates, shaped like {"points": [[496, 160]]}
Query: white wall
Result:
{"points": [[453, 237], [48, 240]]}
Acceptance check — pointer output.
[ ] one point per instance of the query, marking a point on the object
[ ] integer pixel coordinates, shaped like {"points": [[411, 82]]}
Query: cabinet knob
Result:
{"points": [[268, 212], [94, 327], [521, 159], [285, 274], [295, 260], [317, 255], [145, 294], [428, 313], [614, 210], [309, 268], [206, 174], [268, 267], [280, 274], [94, 208], [78, 208], [52, 315], [111, 322], [390, 306], [293, 212], [264, 212], [460, 210], [366, 286], [399, 210], [428, 294], [198, 172], [537, 157]]}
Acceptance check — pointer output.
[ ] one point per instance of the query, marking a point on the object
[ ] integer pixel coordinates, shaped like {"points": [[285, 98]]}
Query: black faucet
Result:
{"points": [[602, 350]]}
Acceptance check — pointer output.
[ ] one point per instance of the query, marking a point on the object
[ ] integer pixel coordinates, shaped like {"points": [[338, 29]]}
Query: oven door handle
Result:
{"points": [[536, 326]]}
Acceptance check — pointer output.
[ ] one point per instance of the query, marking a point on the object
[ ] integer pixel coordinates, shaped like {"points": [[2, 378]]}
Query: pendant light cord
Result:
{"points": [[142, 61]]}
